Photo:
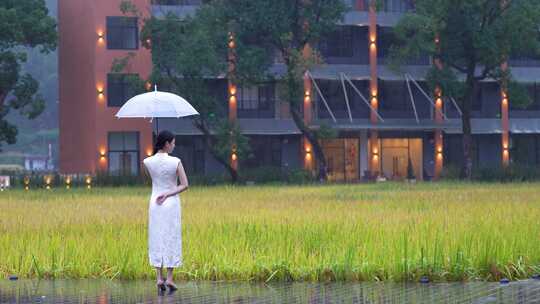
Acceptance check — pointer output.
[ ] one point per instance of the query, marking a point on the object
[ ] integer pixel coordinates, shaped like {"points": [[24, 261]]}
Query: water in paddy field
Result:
{"points": [[103, 291]]}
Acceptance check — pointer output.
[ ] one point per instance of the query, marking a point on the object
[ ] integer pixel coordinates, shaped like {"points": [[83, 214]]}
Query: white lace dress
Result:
{"points": [[164, 221]]}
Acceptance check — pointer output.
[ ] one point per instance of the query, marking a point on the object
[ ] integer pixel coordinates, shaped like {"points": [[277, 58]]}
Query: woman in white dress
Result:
{"points": [[164, 218]]}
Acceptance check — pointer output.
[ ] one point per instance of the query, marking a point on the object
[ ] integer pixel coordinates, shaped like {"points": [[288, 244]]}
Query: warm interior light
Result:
{"points": [[232, 90], [88, 181], [100, 92], [102, 154], [233, 156], [232, 99], [101, 36]]}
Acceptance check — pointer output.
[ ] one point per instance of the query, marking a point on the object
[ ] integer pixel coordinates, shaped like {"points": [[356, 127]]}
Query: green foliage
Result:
{"points": [[475, 37], [230, 138], [512, 173], [326, 132], [369, 232], [189, 51], [286, 29], [23, 24], [471, 39]]}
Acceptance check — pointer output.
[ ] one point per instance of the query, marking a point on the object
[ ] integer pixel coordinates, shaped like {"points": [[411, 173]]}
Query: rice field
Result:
{"points": [[369, 232]]}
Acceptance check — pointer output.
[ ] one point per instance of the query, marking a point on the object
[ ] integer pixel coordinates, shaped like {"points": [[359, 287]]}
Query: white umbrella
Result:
{"points": [[156, 104]]}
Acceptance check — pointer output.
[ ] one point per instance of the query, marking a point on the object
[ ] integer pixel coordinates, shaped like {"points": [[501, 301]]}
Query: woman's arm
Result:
{"points": [[184, 185]]}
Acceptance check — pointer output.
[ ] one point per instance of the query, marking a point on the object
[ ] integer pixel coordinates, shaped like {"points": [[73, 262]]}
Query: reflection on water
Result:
{"points": [[100, 291]]}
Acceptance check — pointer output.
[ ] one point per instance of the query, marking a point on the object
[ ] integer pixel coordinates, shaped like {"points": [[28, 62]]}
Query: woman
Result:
{"points": [[164, 225]]}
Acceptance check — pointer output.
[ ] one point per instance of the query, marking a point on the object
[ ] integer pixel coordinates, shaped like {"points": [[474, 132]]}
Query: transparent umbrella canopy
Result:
{"points": [[156, 105]]}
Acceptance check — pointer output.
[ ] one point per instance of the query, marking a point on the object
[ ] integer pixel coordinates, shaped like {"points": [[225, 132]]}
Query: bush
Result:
{"points": [[262, 174], [276, 174], [207, 180], [450, 172], [300, 176], [513, 173], [107, 179]]}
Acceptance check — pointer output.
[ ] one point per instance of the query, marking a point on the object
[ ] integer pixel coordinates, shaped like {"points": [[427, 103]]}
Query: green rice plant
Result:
{"points": [[447, 231]]}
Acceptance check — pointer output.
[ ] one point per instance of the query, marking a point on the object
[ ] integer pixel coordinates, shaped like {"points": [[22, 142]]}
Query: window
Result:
{"points": [[122, 33], [525, 149], [338, 43], [256, 101], [397, 5], [119, 89], [191, 150], [394, 96], [478, 96], [124, 153], [362, 5], [265, 152], [534, 95], [335, 98]]}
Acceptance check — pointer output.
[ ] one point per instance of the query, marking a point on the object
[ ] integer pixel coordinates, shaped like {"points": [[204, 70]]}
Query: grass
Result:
{"points": [[399, 232]]}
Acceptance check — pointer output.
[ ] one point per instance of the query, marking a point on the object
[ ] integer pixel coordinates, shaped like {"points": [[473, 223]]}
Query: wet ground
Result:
{"points": [[103, 291]]}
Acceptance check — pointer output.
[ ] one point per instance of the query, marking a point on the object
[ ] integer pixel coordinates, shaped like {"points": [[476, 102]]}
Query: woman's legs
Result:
{"points": [[170, 283], [159, 274], [170, 275]]}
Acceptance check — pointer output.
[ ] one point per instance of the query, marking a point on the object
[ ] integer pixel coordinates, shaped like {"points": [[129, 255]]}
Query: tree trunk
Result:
{"points": [[294, 87], [208, 140], [467, 164], [322, 173]]}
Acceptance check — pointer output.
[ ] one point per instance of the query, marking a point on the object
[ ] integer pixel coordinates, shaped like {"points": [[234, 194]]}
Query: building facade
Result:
{"points": [[387, 122], [92, 35]]}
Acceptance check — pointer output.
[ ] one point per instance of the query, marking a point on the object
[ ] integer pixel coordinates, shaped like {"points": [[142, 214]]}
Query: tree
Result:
{"points": [[186, 54], [472, 40], [23, 24], [290, 28]]}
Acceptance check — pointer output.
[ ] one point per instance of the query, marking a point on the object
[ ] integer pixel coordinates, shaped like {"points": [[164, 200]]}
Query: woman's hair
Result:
{"points": [[163, 138]]}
